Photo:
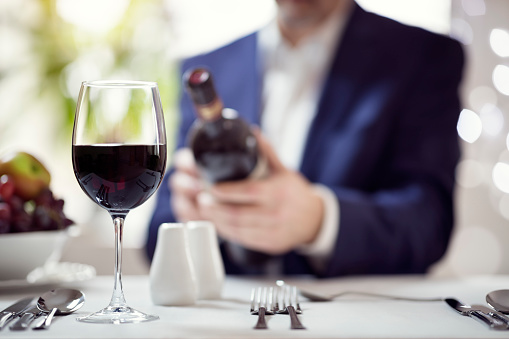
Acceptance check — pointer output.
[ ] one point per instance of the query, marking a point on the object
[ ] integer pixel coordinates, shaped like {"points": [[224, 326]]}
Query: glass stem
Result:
{"points": [[117, 299]]}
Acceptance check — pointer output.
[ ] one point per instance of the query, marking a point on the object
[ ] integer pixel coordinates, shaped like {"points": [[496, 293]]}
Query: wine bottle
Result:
{"points": [[223, 144], [224, 148]]}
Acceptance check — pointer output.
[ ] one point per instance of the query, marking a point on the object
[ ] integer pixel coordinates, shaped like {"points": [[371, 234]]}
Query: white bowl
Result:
{"points": [[20, 253]]}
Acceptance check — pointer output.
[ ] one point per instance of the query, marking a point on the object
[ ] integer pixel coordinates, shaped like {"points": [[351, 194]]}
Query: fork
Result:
{"points": [[261, 305], [288, 298]]}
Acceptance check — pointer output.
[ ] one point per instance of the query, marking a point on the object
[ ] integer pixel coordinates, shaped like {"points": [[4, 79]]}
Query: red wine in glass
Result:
{"points": [[119, 177]]}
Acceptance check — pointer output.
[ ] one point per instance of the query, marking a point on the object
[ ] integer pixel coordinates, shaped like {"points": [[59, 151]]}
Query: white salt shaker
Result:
{"points": [[206, 258], [172, 275]]}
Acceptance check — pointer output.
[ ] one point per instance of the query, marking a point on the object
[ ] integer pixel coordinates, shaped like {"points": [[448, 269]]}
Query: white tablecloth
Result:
{"points": [[347, 317]]}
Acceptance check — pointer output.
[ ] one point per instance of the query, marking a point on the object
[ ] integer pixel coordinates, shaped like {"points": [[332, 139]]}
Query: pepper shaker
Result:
{"points": [[172, 275], [206, 258]]}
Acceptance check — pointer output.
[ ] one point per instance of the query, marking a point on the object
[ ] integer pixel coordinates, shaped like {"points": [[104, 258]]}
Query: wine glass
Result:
{"points": [[119, 160]]}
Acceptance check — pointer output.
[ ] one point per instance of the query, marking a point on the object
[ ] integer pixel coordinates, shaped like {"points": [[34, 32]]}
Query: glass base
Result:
{"points": [[117, 315]]}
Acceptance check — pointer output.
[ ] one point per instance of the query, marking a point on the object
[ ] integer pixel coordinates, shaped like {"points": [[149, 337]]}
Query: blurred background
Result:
{"points": [[48, 47]]}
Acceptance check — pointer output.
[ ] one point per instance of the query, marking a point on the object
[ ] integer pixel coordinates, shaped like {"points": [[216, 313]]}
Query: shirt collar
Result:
{"points": [[317, 48]]}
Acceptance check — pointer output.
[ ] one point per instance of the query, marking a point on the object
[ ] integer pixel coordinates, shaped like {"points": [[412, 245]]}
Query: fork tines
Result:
{"points": [[261, 305], [285, 296], [289, 304]]}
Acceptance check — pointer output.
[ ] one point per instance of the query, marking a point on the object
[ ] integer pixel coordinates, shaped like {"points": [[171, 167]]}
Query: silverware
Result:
{"points": [[315, 296], [261, 305], [466, 310], [492, 313], [38, 322], [27, 316], [13, 310], [499, 300], [58, 301], [290, 305]]}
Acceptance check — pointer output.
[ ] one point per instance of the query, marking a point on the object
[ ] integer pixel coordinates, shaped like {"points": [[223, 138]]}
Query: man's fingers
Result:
{"points": [[185, 209], [266, 149], [183, 160], [235, 215], [239, 192], [183, 183]]}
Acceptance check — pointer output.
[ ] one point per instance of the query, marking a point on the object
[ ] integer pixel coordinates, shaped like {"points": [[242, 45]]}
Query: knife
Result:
{"points": [[12, 311], [26, 318], [467, 310]]}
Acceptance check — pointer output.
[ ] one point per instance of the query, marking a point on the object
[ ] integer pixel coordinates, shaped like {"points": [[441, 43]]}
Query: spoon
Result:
{"points": [[314, 296], [58, 302], [499, 300]]}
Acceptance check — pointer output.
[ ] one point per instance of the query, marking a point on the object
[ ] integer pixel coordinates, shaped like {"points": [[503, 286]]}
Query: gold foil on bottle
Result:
{"points": [[211, 111]]}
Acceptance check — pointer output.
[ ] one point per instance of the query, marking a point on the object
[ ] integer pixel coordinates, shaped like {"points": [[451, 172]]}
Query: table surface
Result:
{"points": [[228, 317]]}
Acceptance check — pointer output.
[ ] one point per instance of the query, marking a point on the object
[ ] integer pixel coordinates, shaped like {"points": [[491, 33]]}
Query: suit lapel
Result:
{"points": [[351, 65], [242, 79]]}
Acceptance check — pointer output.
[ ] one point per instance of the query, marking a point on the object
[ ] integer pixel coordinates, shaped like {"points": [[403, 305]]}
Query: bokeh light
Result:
{"points": [[499, 42], [500, 176], [469, 126], [474, 7], [501, 79]]}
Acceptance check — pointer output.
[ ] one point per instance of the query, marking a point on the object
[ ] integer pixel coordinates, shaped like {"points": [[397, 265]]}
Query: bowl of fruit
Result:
{"points": [[32, 221]]}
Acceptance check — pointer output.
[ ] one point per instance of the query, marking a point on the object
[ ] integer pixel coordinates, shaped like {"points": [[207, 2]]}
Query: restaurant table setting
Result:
{"points": [[187, 295], [370, 312]]}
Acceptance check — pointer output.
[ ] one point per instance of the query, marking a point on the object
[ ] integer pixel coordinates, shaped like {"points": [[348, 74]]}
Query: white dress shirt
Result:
{"points": [[292, 83]]}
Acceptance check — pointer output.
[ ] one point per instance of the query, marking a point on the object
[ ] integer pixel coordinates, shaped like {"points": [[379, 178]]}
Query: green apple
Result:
{"points": [[28, 173]]}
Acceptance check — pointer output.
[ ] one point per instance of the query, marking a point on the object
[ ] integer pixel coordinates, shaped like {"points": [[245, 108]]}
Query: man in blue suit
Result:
{"points": [[357, 116]]}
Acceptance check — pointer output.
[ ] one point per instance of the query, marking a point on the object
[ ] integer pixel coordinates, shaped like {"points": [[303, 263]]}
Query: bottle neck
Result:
{"points": [[211, 111]]}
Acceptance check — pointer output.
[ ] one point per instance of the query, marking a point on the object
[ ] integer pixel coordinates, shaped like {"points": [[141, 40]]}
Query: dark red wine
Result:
{"points": [[223, 144], [119, 177]]}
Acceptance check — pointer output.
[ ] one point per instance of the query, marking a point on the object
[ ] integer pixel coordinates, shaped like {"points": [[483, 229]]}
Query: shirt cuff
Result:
{"points": [[323, 245]]}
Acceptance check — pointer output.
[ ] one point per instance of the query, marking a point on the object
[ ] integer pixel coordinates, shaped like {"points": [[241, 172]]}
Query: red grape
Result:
{"points": [[45, 212], [7, 187], [21, 222]]}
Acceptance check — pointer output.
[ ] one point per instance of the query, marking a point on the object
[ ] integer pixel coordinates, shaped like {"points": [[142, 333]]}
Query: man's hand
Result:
{"points": [[271, 215], [185, 184]]}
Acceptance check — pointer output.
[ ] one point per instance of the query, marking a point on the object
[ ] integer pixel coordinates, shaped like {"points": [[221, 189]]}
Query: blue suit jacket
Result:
{"points": [[383, 140]]}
